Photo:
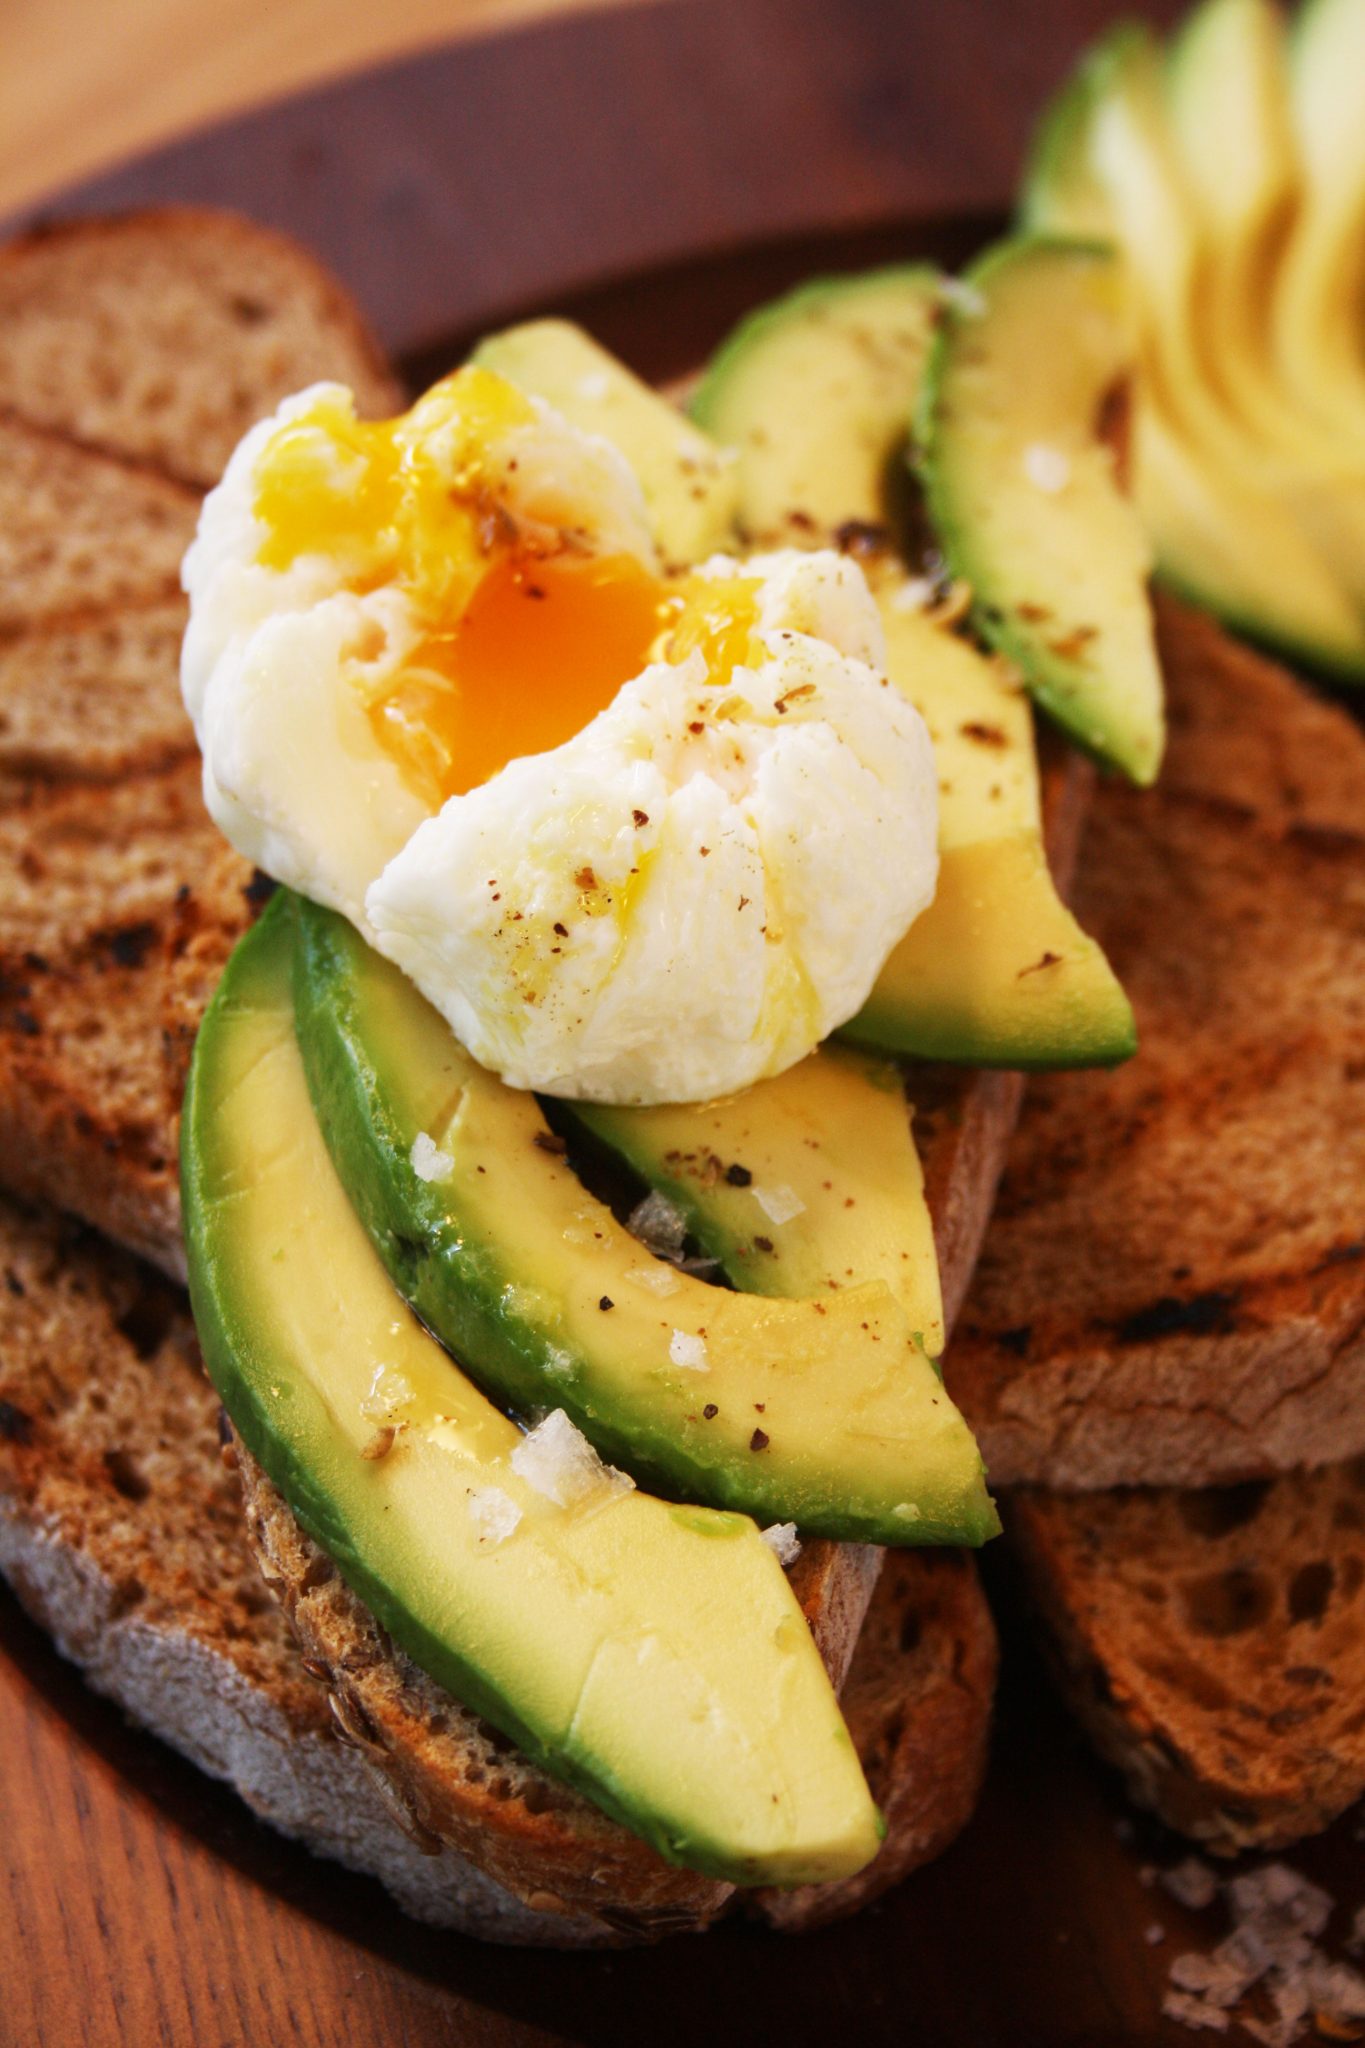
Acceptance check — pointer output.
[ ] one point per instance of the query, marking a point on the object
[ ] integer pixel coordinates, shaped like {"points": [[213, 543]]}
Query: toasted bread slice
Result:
{"points": [[165, 334], [1173, 1288], [121, 1532], [1211, 1642], [120, 903], [133, 353]]}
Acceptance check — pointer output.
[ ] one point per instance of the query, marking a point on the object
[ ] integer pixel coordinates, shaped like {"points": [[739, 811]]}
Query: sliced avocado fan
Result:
{"points": [[825, 1412], [652, 1655]]}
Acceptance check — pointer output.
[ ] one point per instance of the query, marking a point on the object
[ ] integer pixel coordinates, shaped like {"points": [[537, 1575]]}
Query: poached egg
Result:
{"points": [[638, 838]]}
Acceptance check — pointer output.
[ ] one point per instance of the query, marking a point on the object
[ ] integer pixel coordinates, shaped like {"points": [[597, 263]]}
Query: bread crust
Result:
{"points": [[1173, 1288]]}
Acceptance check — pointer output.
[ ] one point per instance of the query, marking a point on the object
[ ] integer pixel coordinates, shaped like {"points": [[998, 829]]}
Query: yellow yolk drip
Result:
{"points": [[522, 647]]}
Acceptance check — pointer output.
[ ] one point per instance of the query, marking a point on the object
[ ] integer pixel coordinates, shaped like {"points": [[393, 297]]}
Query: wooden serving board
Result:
{"points": [[654, 173]]}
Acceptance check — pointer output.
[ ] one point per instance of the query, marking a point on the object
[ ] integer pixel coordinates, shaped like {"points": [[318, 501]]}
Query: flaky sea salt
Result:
{"points": [[1192, 1883], [658, 1223], [962, 297], [779, 1203], [916, 594], [655, 1279], [390, 1390], [558, 1461], [1272, 1956], [688, 1351], [494, 1513], [782, 1539], [427, 1159]]}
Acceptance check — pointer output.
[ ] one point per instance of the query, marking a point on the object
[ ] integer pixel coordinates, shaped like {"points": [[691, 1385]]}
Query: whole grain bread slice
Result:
{"points": [[165, 334], [1212, 1643], [135, 909], [1173, 1287], [121, 1532]]}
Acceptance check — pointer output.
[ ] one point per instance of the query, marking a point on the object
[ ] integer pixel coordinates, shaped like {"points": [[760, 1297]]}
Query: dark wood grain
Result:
{"points": [[656, 172], [449, 188]]}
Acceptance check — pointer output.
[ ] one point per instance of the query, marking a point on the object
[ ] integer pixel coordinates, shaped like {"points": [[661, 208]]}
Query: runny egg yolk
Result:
{"points": [[525, 637]]}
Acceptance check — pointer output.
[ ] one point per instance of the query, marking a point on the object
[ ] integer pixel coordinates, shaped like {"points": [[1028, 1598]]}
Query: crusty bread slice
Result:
{"points": [[165, 334], [124, 886], [1212, 1642], [121, 1532], [1173, 1288]]}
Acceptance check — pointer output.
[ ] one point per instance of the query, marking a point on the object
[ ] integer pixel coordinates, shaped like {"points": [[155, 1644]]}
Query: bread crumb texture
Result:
{"points": [[1212, 1641]]}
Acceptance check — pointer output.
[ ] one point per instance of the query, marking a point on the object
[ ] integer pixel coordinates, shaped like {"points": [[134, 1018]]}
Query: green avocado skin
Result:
{"points": [[473, 1295]]}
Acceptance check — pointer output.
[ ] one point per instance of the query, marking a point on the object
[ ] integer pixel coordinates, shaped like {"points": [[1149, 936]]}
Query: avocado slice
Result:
{"points": [[816, 393], [650, 1654], [1228, 108], [1247, 514], [689, 487], [1024, 497], [997, 971], [1321, 287], [802, 1186], [825, 1413]]}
